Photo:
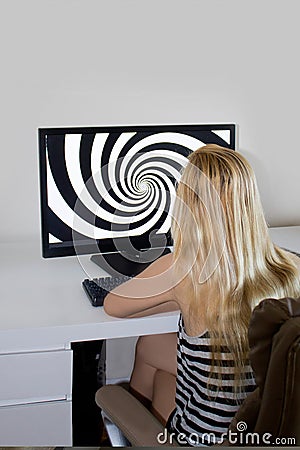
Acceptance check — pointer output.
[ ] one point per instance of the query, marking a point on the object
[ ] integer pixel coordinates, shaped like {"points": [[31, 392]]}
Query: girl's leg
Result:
{"points": [[154, 374]]}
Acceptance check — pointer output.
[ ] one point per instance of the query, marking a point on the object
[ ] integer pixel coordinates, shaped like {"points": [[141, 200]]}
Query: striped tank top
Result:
{"points": [[205, 405]]}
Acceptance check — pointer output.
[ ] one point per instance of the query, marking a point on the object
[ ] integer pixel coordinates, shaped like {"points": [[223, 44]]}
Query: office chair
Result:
{"points": [[270, 412]]}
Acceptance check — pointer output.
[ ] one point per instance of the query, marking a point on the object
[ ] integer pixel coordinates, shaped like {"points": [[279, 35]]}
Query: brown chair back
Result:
{"points": [[273, 409]]}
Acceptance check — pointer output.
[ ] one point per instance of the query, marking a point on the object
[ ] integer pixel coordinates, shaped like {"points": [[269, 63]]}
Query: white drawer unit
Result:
{"points": [[36, 398], [36, 425], [35, 377]]}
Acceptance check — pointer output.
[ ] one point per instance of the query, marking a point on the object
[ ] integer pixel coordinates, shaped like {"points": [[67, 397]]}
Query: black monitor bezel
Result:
{"points": [[107, 246]]}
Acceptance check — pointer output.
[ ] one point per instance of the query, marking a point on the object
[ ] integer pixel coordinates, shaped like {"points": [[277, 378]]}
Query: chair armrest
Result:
{"points": [[135, 421]]}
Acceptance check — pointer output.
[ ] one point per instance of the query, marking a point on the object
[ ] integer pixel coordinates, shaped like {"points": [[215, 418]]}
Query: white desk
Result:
{"points": [[287, 237], [44, 310]]}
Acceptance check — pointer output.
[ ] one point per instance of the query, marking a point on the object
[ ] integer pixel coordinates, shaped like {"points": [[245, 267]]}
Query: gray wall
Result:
{"points": [[96, 62]]}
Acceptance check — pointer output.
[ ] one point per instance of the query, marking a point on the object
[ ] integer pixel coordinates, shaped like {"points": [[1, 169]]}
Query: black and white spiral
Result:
{"points": [[110, 185]]}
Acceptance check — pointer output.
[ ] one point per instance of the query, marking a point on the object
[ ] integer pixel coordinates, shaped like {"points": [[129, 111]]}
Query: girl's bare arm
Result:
{"points": [[150, 292]]}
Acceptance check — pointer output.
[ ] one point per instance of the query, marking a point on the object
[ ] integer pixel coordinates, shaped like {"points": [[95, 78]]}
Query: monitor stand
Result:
{"points": [[123, 263]]}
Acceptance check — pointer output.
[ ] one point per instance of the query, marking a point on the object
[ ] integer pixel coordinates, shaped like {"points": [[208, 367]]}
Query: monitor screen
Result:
{"points": [[106, 188]]}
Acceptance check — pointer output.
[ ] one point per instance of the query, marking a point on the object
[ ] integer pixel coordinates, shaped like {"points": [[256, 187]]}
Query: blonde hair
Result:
{"points": [[221, 240]]}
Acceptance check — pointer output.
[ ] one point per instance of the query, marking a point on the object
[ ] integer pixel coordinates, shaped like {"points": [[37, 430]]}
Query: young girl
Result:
{"points": [[223, 265]]}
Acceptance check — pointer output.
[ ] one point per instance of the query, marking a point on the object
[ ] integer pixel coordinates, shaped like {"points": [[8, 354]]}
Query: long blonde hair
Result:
{"points": [[221, 240]]}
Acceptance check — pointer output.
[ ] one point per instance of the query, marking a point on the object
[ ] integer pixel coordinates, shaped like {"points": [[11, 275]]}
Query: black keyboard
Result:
{"points": [[97, 288]]}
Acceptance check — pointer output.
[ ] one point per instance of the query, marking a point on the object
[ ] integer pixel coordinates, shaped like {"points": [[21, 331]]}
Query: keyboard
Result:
{"points": [[97, 288]]}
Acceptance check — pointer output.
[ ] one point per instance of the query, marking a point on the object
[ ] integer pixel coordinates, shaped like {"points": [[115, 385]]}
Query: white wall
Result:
{"points": [[96, 62]]}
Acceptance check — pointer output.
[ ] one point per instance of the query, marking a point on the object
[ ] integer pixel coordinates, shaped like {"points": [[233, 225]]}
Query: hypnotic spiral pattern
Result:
{"points": [[108, 185]]}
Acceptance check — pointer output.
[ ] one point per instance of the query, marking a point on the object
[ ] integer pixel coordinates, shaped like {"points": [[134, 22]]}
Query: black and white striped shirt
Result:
{"points": [[205, 405]]}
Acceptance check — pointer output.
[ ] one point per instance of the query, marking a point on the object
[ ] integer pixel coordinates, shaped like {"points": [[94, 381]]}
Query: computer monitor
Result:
{"points": [[108, 190]]}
